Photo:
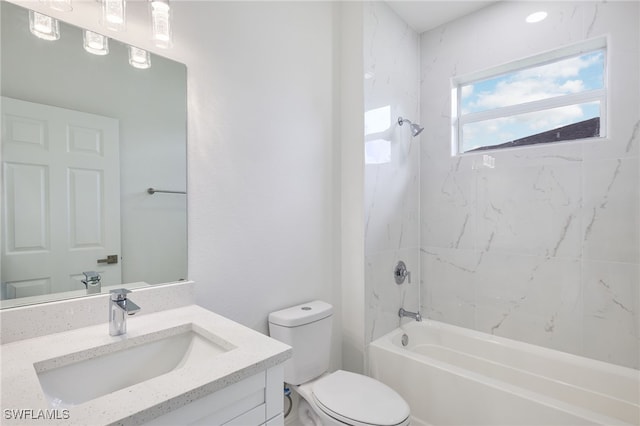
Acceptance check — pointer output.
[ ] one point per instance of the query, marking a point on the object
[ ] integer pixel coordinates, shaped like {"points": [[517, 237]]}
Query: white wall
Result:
{"points": [[351, 183], [262, 218], [544, 247], [392, 185]]}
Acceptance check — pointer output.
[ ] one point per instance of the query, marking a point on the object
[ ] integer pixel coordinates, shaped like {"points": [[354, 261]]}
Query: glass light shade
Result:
{"points": [[161, 23], [62, 5], [43, 26], [95, 43], [113, 14], [139, 58]]}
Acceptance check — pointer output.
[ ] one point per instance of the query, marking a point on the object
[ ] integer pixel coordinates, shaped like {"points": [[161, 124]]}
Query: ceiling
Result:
{"points": [[424, 15]]}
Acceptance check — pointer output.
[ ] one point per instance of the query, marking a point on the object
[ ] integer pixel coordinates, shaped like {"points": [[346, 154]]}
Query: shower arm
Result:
{"points": [[416, 129]]}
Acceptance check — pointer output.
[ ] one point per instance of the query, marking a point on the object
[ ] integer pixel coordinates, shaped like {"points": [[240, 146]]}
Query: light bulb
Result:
{"points": [[43, 26], [113, 14], [139, 58], [161, 23], [95, 43]]}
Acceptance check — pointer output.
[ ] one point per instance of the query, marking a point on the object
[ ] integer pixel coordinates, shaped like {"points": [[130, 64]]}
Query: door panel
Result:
{"points": [[27, 208], [61, 199]]}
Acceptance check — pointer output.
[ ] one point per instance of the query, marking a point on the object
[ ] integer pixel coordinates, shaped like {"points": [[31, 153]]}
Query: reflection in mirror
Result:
{"points": [[83, 138]]}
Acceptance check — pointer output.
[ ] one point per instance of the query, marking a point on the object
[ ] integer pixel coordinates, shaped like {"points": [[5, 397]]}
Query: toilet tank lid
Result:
{"points": [[301, 314]]}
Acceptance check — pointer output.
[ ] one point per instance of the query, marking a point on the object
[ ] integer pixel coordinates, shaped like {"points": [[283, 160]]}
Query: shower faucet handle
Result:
{"points": [[400, 273]]}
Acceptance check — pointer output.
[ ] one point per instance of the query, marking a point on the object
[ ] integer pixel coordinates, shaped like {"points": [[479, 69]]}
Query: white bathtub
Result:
{"points": [[454, 376]]}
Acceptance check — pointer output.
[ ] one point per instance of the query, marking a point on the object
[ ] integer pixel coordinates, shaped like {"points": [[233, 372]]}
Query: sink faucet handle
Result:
{"points": [[92, 282], [90, 276], [119, 294]]}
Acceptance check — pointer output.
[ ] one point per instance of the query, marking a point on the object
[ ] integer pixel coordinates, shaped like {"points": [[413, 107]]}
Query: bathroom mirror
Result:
{"points": [[84, 137]]}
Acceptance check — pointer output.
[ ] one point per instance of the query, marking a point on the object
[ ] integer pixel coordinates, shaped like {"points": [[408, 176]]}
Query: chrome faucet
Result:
{"points": [[119, 308], [415, 315], [400, 272], [92, 282]]}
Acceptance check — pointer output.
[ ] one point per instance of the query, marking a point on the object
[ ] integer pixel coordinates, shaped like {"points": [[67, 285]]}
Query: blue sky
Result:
{"points": [[576, 74]]}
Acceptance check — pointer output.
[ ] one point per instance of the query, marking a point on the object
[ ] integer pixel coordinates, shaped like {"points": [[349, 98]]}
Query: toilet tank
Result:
{"points": [[307, 329]]}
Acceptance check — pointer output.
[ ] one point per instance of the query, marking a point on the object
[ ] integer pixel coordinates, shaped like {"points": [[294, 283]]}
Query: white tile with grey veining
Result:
{"points": [[530, 210], [505, 232], [386, 297], [532, 298], [452, 220], [612, 312], [447, 283], [611, 224], [392, 165], [391, 201]]}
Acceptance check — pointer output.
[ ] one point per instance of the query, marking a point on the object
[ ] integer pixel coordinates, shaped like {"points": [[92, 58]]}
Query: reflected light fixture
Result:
{"points": [[536, 17], [95, 43], [161, 22], [139, 58], [43, 26], [61, 5], [113, 14]]}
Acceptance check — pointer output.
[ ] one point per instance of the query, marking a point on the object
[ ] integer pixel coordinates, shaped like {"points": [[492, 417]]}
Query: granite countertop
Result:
{"points": [[249, 353]]}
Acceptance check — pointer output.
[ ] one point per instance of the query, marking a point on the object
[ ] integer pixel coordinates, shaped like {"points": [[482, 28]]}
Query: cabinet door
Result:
{"points": [[222, 406], [276, 421], [250, 418], [275, 392]]}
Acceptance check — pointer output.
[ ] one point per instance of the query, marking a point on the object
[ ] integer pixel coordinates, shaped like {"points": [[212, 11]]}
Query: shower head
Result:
{"points": [[416, 129]]}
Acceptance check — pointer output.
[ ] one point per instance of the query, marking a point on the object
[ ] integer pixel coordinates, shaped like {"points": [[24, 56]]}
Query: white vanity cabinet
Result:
{"points": [[256, 400], [194, 367]]}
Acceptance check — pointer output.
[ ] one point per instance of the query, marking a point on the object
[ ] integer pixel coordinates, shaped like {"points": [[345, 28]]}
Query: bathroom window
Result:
{"points": [[553, 97]]}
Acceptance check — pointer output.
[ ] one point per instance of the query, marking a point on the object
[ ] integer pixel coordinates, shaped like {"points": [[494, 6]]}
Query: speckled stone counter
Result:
{"points": [[249, 353]]}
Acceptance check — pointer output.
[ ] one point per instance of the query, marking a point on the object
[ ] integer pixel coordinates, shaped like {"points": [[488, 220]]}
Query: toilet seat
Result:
{"points": [[359, 400]]}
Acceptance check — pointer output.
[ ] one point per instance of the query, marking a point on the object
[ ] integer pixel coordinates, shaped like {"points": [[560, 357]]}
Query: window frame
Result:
{"points": [[458, 120]]}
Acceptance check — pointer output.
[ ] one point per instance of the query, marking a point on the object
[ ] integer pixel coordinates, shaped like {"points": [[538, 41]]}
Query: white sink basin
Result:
{"points": [[80, 377]]}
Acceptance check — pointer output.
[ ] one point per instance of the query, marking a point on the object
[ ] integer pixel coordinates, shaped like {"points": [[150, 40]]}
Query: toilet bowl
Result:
{"points": [[307, 415], [330, 399], [345, 398]]}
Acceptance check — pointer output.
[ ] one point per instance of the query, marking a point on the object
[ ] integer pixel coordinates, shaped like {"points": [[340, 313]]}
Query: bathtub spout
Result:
{"points": [[415, 315]]}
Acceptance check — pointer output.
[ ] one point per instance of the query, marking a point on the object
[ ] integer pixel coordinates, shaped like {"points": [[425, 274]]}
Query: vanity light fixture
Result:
{"points": [[113, 14], [139, 58], [161, 22], [43, 26], [95, 43], [536, 17]]}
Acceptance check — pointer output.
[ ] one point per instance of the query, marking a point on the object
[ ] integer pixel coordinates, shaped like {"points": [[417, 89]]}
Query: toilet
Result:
{"points": [[330, 399]]}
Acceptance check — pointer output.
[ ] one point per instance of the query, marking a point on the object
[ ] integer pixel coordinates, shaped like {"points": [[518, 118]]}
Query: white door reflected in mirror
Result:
{"points": [[62, 195]]}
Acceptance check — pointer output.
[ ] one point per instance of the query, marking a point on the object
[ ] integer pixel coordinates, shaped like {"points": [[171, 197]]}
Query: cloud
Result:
{"points": [[541, 121], [532, 84], [573, 86], [505, 129]]}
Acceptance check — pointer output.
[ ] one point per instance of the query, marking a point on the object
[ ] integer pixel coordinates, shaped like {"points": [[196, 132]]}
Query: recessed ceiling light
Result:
{"points": [[536, 17]]}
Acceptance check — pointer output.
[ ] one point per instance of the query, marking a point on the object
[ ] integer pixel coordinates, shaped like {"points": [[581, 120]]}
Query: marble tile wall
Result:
{"points": [[544, 245], [392, 166]]}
